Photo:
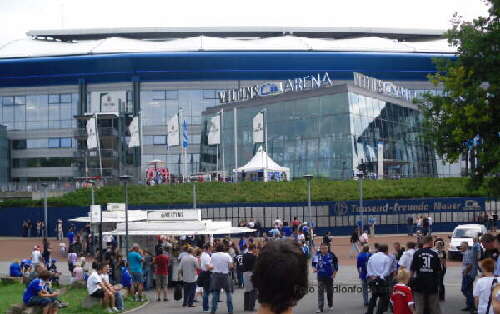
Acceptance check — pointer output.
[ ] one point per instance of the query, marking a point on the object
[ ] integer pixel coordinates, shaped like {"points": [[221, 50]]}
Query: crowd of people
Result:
{"points": [[403, 279]]}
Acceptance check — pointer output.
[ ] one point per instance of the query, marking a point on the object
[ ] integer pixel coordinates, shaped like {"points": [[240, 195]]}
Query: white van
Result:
{"points": [[463, 233]]}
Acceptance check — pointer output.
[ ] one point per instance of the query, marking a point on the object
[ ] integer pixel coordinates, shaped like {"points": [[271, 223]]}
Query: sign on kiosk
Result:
{"points": [[175, 215], [114, 207]]}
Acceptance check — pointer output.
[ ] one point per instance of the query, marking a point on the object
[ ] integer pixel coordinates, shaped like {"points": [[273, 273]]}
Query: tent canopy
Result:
{"points": [[115, 216], [262, 162], [179, 228]]}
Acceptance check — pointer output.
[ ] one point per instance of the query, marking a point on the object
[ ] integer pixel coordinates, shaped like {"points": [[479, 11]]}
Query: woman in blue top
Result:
{"points": [[37, 295]]}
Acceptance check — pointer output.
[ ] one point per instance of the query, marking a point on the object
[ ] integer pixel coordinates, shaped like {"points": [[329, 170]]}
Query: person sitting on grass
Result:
{"points": [[116, 291], [15, 269], [97, 289], [37, 295], [280, 277]]}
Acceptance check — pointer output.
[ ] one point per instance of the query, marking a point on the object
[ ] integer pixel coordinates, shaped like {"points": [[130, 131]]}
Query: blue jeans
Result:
{"points": [[364, 286], [119, 300], [206, 293], [467, 286], [215, 298], [189, 293]]}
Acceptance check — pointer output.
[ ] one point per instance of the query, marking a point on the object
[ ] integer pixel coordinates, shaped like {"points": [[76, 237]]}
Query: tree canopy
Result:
{"points": [[465, 119]]}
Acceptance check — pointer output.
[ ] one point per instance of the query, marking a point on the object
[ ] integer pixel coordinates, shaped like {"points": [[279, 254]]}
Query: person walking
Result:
{"points": [[222, 264], [188, 267], [378, 271], [250, 295], [439, 244], [469, 274], [325, 264], [425, 270], [161, 274], [204, 276], [135, 261], [409, 223], [148, 271], [362, 261], [354, 243]]}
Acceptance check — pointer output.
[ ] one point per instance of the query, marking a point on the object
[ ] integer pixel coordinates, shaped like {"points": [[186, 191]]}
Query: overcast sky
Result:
{"points": [[19, 16]]}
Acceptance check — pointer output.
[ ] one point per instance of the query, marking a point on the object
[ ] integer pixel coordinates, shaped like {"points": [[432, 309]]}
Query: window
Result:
{"points": [[209, 94], [53, 99], [159, 140], [19, 144], [171, 95], [66, 142], [65, 99], [54, 142]]}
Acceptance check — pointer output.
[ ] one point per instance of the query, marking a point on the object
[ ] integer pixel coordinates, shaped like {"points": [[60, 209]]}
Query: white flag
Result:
{"points": [[173, 131], [214, 130], [258, 128], [91, 133], [134, 133]]}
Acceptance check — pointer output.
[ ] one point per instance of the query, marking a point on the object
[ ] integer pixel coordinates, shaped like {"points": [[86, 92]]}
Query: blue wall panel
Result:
{"points": [[183, 66]]}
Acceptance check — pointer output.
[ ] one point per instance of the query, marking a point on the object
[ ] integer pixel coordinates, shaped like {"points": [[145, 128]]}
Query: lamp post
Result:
{"points": [[125, 179], [194, 195], [309, 179], [44, 185]]}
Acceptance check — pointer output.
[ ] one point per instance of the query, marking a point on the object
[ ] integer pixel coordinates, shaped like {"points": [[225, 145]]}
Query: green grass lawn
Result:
{"points": [[12, 294], [294, 191]]}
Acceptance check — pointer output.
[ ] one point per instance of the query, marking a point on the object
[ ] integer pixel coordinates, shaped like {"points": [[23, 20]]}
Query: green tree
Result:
{"points": [[466, 118]]}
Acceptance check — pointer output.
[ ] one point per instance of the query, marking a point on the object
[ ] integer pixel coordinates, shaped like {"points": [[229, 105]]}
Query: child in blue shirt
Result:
{"points": [[325, 264]]}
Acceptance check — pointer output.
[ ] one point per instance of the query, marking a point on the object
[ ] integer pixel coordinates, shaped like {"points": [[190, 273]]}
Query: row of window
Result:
{"points": [[42, 162], [52, 142], [162, 139]]}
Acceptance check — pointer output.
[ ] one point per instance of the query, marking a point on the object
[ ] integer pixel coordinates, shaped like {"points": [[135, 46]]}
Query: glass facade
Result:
{"points": [[4, 155], [326, 135]]}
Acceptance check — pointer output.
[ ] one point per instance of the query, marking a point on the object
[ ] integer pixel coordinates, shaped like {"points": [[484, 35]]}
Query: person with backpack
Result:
{"points": [[325, 264]]}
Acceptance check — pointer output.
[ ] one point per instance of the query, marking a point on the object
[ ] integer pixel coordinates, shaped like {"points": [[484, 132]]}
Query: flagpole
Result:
{"points": [[221, 132], [217, 159], [98, 144], [139, 177]]}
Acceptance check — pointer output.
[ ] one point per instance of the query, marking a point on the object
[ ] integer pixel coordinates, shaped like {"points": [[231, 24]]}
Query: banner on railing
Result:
{"points": [[402, 206]]}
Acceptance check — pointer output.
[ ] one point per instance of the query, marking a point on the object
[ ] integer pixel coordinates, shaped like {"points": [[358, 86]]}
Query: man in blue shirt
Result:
{"points": [[287, 230], [15, 269], [37, 295], [362, 262], [135, 260], [325, 264]]}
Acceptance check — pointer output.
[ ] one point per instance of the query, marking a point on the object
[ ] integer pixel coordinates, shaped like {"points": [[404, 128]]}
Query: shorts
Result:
{"points": [[99, 293], [137, 277], [39, 301], [161, 281]]}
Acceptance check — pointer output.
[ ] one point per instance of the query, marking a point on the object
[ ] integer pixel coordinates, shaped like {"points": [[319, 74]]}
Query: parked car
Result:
{"points": [[463, 233]]}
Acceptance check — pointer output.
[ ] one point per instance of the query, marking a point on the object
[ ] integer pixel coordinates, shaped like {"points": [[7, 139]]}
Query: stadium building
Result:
{"points": [[54, 82]]}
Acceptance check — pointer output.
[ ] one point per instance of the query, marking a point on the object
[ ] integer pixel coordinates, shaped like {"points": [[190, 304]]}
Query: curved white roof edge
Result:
{"points": [[28, 48]]}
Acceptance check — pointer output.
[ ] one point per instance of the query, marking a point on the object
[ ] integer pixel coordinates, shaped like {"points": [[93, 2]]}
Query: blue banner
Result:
{"points": [[402, 206]]}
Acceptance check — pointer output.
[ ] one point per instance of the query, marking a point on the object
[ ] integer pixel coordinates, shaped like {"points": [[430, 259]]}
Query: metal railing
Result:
{"points": [[38, 186]]}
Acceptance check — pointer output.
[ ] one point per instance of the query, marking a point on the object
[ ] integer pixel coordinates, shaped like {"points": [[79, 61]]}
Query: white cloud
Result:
{"points": [[17, 17]]}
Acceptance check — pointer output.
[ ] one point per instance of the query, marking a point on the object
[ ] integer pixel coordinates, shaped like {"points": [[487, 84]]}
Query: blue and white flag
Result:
{"points": [[185, 136]]}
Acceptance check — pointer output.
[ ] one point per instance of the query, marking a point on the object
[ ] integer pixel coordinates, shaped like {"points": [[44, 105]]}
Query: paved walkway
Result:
{"points": [[344, 302]]}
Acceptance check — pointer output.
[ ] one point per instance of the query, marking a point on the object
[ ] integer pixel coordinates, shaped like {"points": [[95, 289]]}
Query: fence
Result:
{"points": [[389, 216]]}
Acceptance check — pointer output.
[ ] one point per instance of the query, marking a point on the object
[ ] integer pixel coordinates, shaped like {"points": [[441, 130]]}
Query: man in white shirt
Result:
{"points": [[222, 263], [204, 277], [407, 258], [35, 256], [378, 271], [116, 292], [96, 289]]}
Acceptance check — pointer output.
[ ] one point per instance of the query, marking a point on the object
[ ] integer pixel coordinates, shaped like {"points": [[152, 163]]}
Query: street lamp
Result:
{"points": [[309, 178], [44, 185], [125, 179]]}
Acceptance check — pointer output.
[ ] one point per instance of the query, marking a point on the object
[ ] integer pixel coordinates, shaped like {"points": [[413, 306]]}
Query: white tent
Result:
{"points": [[115, 216], [262, 163], [178, 228]]}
